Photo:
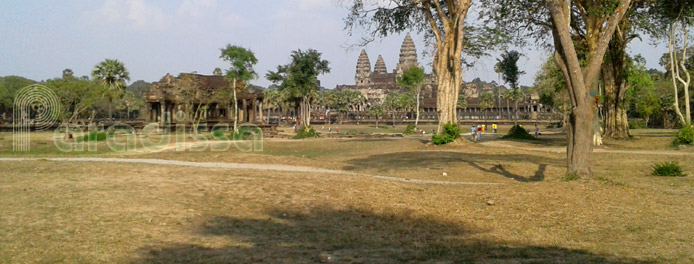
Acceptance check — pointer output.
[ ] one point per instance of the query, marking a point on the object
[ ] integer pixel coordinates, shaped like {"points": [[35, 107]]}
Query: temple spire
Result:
{"points": [[363, 69], [380, 67], [408, 55]]}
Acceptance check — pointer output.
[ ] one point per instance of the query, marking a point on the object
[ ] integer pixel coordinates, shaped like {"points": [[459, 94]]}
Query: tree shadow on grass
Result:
{"points": [[357, 236], [499, 169], [443, 159]]}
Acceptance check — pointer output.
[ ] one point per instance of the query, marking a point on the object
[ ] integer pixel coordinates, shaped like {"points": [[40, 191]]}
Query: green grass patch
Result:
{"points": [[570, 177], [95, 136], [668, 169]]}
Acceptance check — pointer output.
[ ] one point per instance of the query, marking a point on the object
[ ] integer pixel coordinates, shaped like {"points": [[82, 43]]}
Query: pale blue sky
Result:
{"points": [[155, 37]]}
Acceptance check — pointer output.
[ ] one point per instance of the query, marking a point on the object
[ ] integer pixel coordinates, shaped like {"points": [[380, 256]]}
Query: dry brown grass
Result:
{"points": [[89, 212]]}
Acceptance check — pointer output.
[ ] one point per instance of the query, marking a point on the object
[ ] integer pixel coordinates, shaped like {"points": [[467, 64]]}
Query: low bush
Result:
{"points": [[409, 130], [685, 136], [517, 132], [245, 133], [669, 169], [218, 134], [305, 132], [450, 133]]}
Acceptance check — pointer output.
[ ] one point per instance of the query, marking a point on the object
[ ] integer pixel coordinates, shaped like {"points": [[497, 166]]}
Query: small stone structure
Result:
{"points": [[167, 97]]}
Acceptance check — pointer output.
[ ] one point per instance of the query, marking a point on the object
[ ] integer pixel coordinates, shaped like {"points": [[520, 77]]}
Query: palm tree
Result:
{"points": [[271, 100], [299, 79], [486, 102], [376, 111], [114, 75], [507, 65], [241, 70]]}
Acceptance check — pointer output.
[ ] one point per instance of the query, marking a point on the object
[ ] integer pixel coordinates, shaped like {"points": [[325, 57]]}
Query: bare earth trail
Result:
{"points": [[244, 166]]}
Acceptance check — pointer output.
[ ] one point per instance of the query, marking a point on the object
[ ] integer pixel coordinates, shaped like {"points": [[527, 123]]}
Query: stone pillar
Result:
{"points": [[162, 114], [260, 111], [244, 111]]}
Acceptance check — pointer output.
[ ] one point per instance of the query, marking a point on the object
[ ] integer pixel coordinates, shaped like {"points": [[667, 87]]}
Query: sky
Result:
{"points": [[156, 37]]}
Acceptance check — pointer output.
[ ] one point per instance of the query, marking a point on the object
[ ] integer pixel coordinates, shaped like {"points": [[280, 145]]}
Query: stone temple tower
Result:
{"points": [[363, 70], [408, 55], [380, 67]]}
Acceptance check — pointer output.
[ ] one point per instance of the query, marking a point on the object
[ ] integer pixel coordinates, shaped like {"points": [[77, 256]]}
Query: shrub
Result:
{"points": [[517, 132], [450, 133], [409, 130], [217, 134], [671, 169], [685, 136], [245, 133], [96, 136], [637, 124], [306, 132]]}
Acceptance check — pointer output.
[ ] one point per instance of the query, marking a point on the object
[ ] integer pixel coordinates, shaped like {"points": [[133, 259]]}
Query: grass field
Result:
{"points": [[525, 212]]}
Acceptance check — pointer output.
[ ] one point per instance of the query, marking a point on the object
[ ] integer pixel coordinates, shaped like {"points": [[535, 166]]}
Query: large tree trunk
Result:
{"points": [[580, 79], [448, 57], [616, 121]]}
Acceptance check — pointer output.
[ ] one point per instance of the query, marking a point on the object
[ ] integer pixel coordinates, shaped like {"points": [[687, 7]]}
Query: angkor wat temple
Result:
{"points": [[377, 83]]}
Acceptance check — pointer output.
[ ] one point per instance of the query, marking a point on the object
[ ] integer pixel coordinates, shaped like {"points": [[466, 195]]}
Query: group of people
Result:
{"points": [[477, 130]]}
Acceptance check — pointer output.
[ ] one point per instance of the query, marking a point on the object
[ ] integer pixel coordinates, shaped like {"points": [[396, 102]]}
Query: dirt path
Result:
{"points": [[244, 166], [597, 150]]}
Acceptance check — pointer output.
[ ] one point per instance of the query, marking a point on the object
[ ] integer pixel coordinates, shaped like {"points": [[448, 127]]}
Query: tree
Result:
{"points": [[217, 72], [9, 85], [641, 93], [580, 78], [462, 101], [241, 70], [377, 112], [392, 104], [76, 96], [195, 99], [516, 95], [581, 31], [508, 67], [443, 22], [271, 100], [550, 85], [675, 18], [486, 102], [114, 75], [129, 102], [68, 74], [299, 79], [413, 80]]}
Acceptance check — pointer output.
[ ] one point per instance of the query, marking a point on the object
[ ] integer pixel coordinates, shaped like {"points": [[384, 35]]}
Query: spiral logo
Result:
{"points": [[36, 107]]}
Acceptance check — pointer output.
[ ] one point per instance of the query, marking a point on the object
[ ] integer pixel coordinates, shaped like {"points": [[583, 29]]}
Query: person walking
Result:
{"points": [[473, 133], [537, 131], [479, 132], [494, 127]]}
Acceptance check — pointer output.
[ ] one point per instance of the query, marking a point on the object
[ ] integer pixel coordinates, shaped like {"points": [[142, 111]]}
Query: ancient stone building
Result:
{"points": [[172, 96], [375, 85]]}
